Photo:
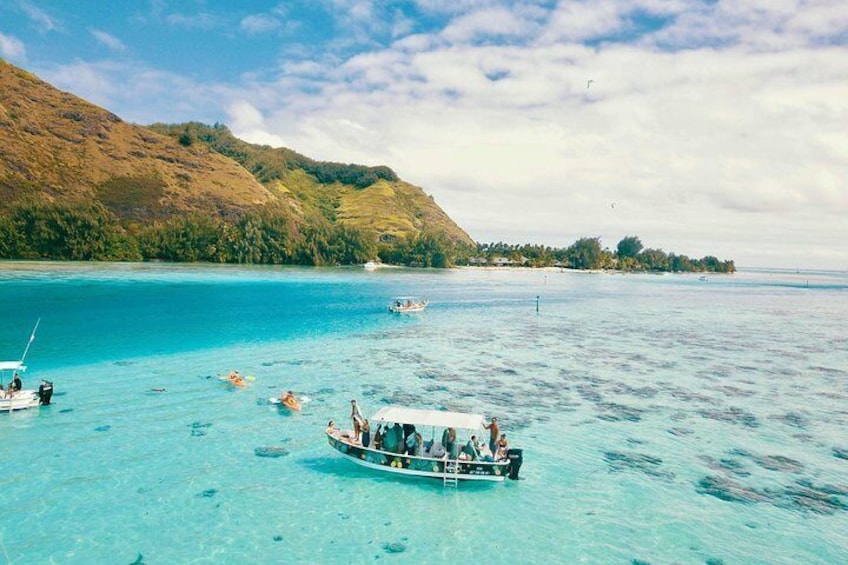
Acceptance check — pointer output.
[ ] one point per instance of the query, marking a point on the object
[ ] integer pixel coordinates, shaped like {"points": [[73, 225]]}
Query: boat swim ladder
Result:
{"points": [[451, 473]]}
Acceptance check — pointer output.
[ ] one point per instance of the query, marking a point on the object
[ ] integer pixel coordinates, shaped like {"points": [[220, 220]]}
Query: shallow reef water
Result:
{"points": [[663, 419]]}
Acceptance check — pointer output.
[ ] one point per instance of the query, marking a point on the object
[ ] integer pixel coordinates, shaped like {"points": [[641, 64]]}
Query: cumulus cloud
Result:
{"points": [[710, 147], [12, 48], [108, 40], [715, 128]]}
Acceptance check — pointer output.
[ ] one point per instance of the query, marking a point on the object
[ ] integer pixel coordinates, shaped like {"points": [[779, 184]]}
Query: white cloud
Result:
{"points": [[108, 40], [719, 130], [259, 23], [12, 48], [202, 20], [40, 17], [712, 150], [494, 21], [245, 116]]}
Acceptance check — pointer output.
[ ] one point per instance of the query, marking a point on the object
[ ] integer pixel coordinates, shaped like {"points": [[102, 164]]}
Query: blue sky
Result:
{"points": [[713, 127]]}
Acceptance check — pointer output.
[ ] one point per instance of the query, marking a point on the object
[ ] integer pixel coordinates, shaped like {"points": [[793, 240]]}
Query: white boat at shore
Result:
{"points": [[407, 305], [371, 266], [431, 459]]}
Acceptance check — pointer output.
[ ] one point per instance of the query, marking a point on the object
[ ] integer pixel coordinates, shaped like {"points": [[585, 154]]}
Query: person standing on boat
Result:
{"points": [[366, 433], [356, 416], [493, 435]]}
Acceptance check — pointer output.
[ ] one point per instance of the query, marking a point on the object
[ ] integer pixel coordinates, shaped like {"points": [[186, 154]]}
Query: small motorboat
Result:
{"points": [[12, 395], [407, 305]]}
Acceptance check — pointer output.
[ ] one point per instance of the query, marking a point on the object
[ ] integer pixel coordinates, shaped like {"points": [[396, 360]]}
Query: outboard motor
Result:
{"points": [[45, 392], [515, 459]]}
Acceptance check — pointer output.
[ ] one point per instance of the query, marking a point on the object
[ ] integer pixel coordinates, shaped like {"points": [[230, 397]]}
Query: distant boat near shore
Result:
{"points": [[407, 305]]}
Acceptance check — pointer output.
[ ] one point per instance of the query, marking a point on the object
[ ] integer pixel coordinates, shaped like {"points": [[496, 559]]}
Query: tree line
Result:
{"points": [[588, 253], [89, 231]]}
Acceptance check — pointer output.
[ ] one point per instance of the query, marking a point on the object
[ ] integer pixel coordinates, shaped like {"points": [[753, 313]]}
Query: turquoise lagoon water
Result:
{"points": [[664, 419]]}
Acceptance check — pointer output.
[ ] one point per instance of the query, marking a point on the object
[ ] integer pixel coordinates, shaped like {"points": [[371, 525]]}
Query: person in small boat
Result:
{"points": [[331, 427], [16, 383], [289, 399], [356, 416], [503, 448], [235, 378], [493, 435], [366, 433]]}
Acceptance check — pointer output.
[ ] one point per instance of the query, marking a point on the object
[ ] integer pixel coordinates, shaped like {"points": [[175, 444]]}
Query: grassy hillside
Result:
{"points": [[57, 147], [371, 198]]}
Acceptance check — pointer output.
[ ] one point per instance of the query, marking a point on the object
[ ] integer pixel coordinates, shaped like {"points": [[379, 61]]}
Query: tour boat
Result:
{"points": [[432, 459], [407, 304]]}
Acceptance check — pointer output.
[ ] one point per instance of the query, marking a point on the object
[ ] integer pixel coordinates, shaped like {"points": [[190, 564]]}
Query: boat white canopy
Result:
{"points": [[12, 366], [438, 418]]}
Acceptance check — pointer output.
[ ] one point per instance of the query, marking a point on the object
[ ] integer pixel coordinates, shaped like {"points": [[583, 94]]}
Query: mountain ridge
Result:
{"points": [[58, 150]]}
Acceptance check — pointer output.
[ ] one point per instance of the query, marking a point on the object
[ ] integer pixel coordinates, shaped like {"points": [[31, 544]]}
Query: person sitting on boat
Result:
{"points": [[471, 450], [235, 378], [397, 432], [412, 443], [449, 442], [419, 443], [15, 385], [503, 447], [331, 428], [390, 442], [288, 398]]}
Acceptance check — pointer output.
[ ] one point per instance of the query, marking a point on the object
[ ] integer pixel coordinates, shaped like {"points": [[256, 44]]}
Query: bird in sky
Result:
{"points": [[589, 83]]}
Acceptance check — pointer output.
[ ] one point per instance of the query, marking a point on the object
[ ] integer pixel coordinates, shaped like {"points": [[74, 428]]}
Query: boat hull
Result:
{"points": [[21, 400], [417, 466], [407, 309]]}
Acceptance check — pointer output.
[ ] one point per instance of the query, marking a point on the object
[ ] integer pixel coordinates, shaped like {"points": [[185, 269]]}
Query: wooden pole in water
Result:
{"points": [[537, 303]]}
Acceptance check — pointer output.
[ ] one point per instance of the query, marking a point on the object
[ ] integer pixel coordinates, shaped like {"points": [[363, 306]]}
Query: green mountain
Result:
{"points": [[77, 182]]}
